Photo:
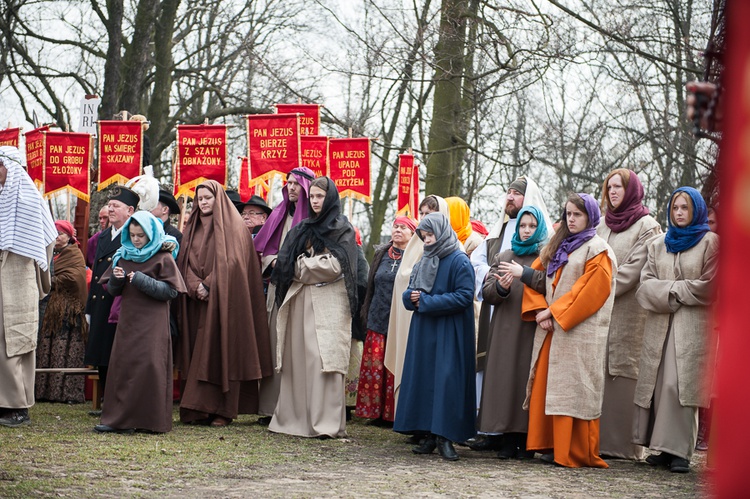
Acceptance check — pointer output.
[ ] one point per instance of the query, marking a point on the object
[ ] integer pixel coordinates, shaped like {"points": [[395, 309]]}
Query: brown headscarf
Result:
{"points": [[233, 343]]}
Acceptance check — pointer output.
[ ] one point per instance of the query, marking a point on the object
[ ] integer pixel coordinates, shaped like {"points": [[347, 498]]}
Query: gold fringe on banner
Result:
{"points": [[355, 195], [114, 179], [70, 190]]}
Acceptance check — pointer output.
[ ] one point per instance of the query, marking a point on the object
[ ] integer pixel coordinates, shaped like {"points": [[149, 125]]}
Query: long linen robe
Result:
{"points": [[139, 381], [314, 341], [22, 285], [438, 385], [508, 359], [566, 383], [676, 290], [625, 338]]}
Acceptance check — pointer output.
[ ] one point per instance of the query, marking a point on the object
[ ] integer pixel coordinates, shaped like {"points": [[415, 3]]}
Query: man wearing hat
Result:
{"points": [[254, 213], [122, 203], [167, 206]]}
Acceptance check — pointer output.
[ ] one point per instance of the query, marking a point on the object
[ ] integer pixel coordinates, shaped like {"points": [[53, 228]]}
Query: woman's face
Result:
{"points": [[577, 220], [61, 241], [527, 226], [206, 201], [428, 237], [681, 212], [425, 210], [401, 235], [138, 236], [615, 191], [317, 197]]}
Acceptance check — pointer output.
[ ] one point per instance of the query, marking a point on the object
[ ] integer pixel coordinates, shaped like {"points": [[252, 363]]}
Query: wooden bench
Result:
{"points": [[93, 375]]}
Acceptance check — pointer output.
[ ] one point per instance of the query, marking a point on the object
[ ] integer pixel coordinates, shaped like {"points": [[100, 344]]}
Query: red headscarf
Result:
{"points": [[67, 228], [404, 220]]}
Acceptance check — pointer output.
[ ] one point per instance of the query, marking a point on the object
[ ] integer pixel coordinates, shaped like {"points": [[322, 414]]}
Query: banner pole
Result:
{"points": [[183, 209]]}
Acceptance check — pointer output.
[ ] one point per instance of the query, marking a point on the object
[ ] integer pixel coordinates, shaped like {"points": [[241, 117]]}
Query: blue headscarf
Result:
{"points": [[683, 238], [154, 229], [533, 244]]}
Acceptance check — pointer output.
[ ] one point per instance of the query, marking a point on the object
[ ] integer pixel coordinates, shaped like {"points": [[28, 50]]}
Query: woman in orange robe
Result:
{"points": [[570, 297]]}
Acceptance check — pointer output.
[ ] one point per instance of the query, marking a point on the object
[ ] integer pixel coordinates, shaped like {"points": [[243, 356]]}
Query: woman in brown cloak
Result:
{"points": [[224, 346]]}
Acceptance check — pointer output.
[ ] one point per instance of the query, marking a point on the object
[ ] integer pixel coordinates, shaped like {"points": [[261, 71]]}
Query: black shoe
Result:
{"points": [[102, 428], [548, 458], [446, 450], [415, 439], [524, 454], [16, 417], [427, 446], [662, 459], [264, 420], [679, 465], [96, 414], [485, 443]]}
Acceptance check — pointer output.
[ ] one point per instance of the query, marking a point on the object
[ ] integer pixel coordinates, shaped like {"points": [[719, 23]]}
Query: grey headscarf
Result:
{"points": [[425, 271]]}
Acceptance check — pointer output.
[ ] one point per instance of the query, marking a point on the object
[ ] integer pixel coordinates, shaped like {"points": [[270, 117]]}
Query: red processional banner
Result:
{"points": [[120, 151], [315, 153], [408, 186], [273, 142], [349, 167], [245, 190], [10, 137], [730, 431], [67, 160], [309, 120], [201, 156], [35, 155]]}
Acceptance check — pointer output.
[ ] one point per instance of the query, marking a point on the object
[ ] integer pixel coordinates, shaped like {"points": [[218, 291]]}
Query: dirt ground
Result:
{"points": [[60, 456]]}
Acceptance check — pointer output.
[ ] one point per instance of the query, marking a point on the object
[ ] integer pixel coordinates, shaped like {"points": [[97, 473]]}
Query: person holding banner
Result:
{"points": [[316, 290], [224, 346], [99, 305], [437, 396], [144, 273], [676, 290], [27, 236], [292, 210]]}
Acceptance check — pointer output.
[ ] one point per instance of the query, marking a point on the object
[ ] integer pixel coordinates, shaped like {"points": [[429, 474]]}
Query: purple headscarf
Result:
{"points": [[575, 241], [268, 239], [630, 210]]}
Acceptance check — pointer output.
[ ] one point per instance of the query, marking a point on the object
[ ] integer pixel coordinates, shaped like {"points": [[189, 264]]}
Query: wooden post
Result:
{"points": [[183, 209]]}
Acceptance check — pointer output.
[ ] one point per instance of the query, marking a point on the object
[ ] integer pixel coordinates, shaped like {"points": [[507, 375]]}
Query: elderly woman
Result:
{"points": [[571, 305], [64, 328], [27, 234], [224, 346], [627, 228], [316, 289], [676, 291], [438, 398], [375, 392]]}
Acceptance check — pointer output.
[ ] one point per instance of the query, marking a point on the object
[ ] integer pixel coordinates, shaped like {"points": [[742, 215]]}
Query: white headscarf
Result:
{"points": [[26, 225], [532, 197]]}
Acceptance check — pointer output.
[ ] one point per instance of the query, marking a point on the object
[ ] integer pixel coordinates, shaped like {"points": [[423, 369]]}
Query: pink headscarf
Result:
{"points": [[404, 220], [66, 227]]}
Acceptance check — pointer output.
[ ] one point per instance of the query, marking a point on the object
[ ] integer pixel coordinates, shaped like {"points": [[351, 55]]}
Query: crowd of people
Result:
{"points": [[577, 341]]}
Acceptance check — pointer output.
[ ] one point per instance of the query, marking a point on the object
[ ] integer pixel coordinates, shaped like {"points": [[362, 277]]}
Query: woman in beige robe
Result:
{"points": [[316, 285], [676, 290], [627, 228]]}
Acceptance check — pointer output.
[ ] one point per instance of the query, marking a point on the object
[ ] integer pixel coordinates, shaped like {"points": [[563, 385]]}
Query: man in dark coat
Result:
{"points": [[121, 205], [167, 206]]}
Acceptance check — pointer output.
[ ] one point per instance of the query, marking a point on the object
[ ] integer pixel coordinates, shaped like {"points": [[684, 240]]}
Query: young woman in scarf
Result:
{"points": [[572, 310], [510, 340], [438, 393], [139, 388], [224, 346], [627, 228], [63, 332], [676, 291], [400, 318], [375, 391], [316, 290]]}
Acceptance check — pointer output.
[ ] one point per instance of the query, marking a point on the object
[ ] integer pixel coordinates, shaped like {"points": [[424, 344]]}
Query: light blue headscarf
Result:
{"points": [[683, 238], [533, 244], [154, 229]]}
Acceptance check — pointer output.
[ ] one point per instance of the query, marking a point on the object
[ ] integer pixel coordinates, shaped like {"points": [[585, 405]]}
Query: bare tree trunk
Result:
{"points": [[112, 65]]}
